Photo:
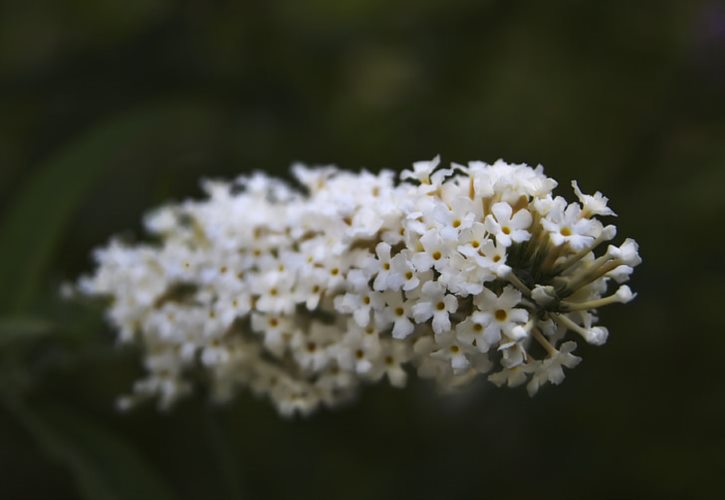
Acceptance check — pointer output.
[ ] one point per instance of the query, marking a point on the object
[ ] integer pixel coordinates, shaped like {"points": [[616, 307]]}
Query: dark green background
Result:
{"points": [[108, 108]]}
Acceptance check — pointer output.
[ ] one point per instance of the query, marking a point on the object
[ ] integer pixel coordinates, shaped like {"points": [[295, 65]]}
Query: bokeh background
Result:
{"points": [[108, 108]]}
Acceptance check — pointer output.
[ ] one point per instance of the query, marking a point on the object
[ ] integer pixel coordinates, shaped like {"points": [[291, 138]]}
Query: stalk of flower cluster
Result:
{"points": [[303, 295]]}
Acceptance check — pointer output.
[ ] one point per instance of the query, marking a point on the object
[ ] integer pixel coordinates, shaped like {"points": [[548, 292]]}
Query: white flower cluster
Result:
{"points": [[304, 296]]}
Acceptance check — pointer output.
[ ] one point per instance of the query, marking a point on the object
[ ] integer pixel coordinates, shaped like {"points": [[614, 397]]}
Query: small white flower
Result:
{"points": [[277, 331], [454, 219], [310, 287], [398, 312], [508, 227], [298, 399], [435, 303], [566, 224], [162, 220], [472, 239], [404, 273], [274, 291], [512, 354], [334, 380], [593, 204], [597, 335], [314, 179], [356, 353], [387, 278], [453, 352], [463, 276], [627, 253], [214, 354], [312, 351], [490, 257], [501, 314], [620, 274], [625, 294], [360, 304], [425, 172], [422, 170], [335, 269], [394, 355], [511, 377], [433, 253], [551, 369], [472, 331]]}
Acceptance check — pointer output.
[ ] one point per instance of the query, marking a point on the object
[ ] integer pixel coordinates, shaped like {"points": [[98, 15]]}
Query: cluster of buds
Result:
{"points": [[303, 295]]}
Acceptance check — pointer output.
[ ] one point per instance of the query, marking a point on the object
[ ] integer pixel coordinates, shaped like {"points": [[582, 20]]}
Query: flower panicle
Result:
{"points": [[303, 295]]}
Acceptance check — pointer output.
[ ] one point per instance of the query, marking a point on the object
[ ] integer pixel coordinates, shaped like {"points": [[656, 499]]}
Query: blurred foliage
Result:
{"points": [[109, 108]]}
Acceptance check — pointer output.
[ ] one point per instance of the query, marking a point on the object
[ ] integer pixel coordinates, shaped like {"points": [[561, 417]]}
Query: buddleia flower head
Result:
{"points": [[302, 295]]}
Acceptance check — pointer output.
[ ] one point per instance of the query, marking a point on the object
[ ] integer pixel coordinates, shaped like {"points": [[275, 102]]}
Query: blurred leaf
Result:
{"points": [[23, 329], [103, 466], [33, 226]]}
